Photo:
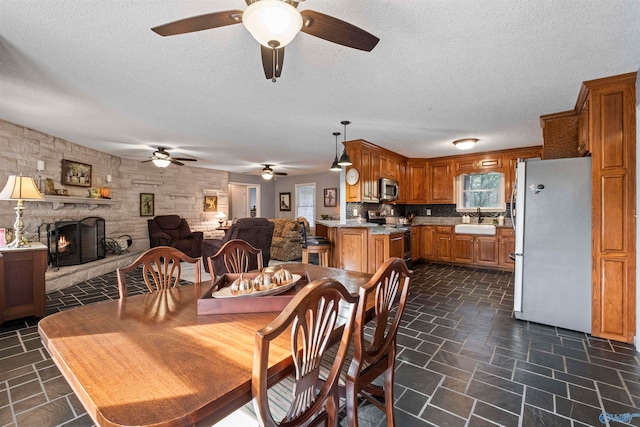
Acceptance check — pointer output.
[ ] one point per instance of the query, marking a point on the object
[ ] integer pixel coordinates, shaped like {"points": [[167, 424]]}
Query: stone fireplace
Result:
{"points": [[72, 242]]}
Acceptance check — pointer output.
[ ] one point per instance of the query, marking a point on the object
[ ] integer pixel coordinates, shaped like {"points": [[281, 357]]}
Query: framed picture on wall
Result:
{"points": [[76, 173], [147, 204], [285, 201], [330, 197], [211, 203]]}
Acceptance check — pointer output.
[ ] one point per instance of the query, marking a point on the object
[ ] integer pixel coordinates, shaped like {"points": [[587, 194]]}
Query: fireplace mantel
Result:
{"points": [[59, 201]]}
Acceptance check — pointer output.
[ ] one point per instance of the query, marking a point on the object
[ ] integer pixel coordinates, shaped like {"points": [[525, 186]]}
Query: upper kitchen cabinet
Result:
{"points": [[416, 181], [612, 141], [560, 135], [371, 163], [487, 162], [441, 181], [510, 158]]}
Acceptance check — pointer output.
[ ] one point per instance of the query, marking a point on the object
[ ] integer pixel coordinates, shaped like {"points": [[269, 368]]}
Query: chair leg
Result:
{"points": [[351, 404], [388, 396], [305, 256]]}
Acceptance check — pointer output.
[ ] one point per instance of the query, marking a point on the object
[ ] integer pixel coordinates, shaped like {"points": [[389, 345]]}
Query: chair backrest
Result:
{"points": [[258, 232], [161, 269], [173, 225], [389, 288], [310, 322], [236, 256], [311, 240]]}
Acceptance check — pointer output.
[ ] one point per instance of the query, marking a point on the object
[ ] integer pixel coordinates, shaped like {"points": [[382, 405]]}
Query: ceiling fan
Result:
{"points": [[274, 24], [268, 173], [161, 158]]}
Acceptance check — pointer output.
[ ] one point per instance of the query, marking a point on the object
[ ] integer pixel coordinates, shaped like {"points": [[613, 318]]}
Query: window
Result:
{"points": [[306, 202], [480, 190]]}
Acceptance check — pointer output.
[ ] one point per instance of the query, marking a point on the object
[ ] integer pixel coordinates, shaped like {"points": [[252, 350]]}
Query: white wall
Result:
{"points": [[636, 339], [321, 180]]}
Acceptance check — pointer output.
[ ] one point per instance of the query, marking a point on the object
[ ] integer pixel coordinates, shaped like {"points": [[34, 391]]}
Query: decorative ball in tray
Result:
{"points": [[260, 285]]}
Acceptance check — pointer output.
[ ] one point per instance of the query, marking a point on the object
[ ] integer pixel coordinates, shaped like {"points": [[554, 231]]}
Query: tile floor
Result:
{"points": [[463, 361]]}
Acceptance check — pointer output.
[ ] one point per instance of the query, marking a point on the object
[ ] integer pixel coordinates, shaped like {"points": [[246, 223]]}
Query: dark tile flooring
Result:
{"points": [[463, 361]]}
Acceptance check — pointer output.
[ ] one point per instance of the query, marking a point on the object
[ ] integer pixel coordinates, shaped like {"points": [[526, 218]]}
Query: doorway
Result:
{"points": [[244, 201]]}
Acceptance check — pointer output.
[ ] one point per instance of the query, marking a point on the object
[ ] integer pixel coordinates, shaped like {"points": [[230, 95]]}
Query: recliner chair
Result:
{"points": [[258, 232], [171, 230]]}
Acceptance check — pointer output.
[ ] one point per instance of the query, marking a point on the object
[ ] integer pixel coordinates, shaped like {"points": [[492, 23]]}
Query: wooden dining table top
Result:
{"points": [[152, 360]]}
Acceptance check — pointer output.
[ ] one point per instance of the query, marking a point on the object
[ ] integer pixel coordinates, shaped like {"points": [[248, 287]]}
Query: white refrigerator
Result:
{"points": [[552, 221]]}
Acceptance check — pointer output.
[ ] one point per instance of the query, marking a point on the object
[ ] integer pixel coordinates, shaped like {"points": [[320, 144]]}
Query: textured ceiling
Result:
{"points": [[93, 72]]}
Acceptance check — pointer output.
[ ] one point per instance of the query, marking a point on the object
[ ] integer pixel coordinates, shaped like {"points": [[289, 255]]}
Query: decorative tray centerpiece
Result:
{"points": [[251, 292]]}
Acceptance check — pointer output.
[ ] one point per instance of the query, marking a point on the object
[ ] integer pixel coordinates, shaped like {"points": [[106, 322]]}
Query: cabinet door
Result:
{"points": [[396, 245], [402, 183], [388, 166], [441, 182], [417, 180], [560, 135], [428, 242], [507, 246], [353, 249], [378, 251], [416, 238], [365, 173], [443, 243], [584, 147], [510, 159], [463, 248], [486, 250], [374, 176]]}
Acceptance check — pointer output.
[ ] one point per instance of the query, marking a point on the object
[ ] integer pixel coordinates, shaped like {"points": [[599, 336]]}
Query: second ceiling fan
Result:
{"points": [[274, 23]]}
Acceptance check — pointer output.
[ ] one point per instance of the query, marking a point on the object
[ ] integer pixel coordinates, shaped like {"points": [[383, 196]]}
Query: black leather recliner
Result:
{"points": [[171, 230], [258, 232]]}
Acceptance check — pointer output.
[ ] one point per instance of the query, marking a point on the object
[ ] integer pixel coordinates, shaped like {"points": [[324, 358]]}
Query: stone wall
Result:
{"points": [[179, 190]]}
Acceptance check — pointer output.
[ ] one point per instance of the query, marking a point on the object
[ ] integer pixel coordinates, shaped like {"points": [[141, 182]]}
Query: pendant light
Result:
{"points": [[335, 166], [344, 159]]}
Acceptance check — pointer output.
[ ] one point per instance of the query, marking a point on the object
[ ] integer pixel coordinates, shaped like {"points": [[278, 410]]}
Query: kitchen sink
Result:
{"points": [[484, 229]]}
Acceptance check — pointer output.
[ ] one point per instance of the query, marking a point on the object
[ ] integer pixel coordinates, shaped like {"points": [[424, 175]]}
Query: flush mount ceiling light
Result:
{"points": [[344, 159], [335, 166], [465, 144], [273, 23]]}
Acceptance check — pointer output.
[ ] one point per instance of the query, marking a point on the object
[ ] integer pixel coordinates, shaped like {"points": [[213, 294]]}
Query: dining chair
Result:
{"points": [[387, 290], [161, 269], [235, 255], [320, 314]]}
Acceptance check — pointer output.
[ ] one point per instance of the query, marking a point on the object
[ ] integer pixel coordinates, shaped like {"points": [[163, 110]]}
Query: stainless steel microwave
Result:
{"points": [[388, 190]]}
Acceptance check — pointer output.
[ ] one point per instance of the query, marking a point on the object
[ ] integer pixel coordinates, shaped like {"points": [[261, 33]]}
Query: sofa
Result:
{"points": [[255, 231], [286, 244], [171, 230]]}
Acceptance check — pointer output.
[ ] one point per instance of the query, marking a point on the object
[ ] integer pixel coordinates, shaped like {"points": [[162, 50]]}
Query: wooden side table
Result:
{"points": [[22, 284]]}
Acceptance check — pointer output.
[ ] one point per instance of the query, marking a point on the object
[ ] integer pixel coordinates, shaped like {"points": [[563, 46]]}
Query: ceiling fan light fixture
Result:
{"points": [[267, 173], [161, 163], [465, 144], [273, 23]]}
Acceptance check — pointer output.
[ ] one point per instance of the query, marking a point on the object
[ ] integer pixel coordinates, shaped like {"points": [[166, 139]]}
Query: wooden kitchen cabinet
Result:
{"points": [[416, 239], [488, 162], [507, 243], [510, 158], [22, 283], [443, 245], [440, 181], [475, 249], [417, 181], [612, 140], [560, 135], [352, 248], [384, 246]]}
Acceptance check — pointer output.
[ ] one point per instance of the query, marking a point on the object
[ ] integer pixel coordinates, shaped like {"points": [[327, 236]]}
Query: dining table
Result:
{"points": [[152, 360]]}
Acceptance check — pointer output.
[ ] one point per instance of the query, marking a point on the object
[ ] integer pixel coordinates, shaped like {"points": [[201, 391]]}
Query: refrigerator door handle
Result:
{"points": [[513, 255]]}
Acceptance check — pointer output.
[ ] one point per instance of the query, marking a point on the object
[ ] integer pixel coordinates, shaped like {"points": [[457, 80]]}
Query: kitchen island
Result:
{"points": [[362, 246]]}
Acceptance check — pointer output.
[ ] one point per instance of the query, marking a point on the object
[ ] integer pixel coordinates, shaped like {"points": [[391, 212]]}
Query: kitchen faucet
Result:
{"points": [[480, 216]]}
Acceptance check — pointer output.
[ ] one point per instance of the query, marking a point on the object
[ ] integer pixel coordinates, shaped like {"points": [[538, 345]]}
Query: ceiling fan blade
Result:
{"points": [[267, 61], [281, 173], [184, 159], [146, 161], [175, 162], [199, 23], [334, 30]]}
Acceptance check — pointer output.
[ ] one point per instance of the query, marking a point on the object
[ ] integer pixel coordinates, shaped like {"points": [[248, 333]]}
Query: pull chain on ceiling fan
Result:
{"points": [[259, 18]]}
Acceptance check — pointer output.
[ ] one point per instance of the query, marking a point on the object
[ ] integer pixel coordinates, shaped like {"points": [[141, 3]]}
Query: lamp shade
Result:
{"points": [[221, 215], [20, 187], [465, 144], [273, 23]]}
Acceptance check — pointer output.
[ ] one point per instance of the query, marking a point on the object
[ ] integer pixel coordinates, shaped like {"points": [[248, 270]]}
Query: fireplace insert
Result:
{"points": [[72, 242]]}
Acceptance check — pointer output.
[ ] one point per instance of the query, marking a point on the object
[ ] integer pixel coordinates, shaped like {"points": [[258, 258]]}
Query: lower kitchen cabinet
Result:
{"points": [[475, 249], [507, 243], [384, 246], [443, 245], [352, 248]]}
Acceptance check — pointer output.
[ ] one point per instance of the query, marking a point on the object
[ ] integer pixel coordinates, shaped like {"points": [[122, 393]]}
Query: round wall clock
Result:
{"points": [[352, 176]]}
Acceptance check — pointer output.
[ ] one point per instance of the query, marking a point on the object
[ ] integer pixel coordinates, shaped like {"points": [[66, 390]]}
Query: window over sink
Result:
{"points": [[480, 190]]}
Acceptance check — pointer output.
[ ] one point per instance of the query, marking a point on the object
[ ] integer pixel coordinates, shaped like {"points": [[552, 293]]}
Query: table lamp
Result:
{"points": [[221, 217], [20, 188]]}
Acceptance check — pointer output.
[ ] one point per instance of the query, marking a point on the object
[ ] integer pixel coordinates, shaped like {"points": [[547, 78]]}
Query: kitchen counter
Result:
{"points": [[373, 228]]}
